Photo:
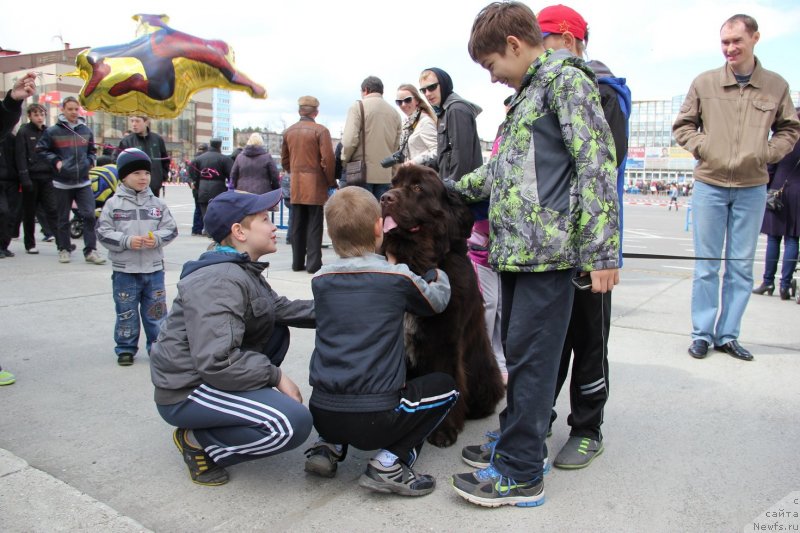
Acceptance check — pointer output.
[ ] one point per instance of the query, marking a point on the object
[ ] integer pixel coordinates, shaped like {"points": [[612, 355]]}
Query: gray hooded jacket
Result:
{"points": [[128, 214]]}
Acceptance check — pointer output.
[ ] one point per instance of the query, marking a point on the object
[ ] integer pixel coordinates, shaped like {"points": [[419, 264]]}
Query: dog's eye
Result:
{"points": [[416, 187]]}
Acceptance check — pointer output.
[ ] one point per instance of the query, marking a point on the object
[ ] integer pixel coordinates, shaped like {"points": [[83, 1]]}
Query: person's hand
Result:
{"points": [[604, 280], [59, 164], [289, 388], [137, 242], [24, 87], [149, 240], [27, 186]]}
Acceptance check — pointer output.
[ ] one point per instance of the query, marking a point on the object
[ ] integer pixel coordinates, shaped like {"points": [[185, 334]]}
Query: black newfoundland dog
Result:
{"points": [[426, 226]]}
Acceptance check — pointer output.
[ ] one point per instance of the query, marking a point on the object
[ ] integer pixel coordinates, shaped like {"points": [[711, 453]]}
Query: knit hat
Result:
{"points": [[560, 19], [131, 160]]}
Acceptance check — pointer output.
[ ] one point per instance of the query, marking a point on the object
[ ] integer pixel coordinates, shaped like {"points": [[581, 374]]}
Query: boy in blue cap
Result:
{"points": [[216, 364]]}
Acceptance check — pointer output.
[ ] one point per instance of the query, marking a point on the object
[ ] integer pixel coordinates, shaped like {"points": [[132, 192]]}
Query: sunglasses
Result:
{"points": [[406, 100], [429, 89]]}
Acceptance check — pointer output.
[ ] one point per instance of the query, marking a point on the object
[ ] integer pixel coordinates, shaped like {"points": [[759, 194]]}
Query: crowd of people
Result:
{"points": [[546, 245]]}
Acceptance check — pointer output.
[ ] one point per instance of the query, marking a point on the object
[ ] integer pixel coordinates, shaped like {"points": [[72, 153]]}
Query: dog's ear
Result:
{"points": [[461, 215]]}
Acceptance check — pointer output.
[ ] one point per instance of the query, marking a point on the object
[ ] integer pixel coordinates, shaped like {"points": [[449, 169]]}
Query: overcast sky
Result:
{"points": [[326, 48]]}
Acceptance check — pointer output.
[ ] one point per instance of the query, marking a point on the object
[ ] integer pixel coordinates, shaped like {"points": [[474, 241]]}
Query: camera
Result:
{"points": [[394, 159]]}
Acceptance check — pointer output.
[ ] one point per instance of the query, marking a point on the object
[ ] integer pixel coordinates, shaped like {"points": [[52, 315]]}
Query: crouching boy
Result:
{"points": [[358, 370], [216, 364], [135, 226]]}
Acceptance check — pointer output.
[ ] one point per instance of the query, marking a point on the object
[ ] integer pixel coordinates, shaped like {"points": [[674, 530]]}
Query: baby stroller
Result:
{"points": [[104, 184]]}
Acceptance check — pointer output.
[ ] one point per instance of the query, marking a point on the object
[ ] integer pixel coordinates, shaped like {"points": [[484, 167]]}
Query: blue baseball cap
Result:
{"points": [[230, 207]]}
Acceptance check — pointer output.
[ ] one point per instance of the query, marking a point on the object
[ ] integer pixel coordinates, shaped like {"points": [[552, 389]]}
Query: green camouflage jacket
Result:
{"points": [[552, 184]]}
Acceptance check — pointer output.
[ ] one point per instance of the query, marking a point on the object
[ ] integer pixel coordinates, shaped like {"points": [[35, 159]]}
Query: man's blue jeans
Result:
{"points": [[729, 216], [135, 296]]}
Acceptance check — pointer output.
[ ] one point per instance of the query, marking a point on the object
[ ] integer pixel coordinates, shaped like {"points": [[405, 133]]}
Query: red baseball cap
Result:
{"points": [[562, 19]]}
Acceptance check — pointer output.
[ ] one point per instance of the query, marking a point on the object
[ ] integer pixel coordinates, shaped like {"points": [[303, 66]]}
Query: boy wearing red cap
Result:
{"points": [[563, 28]]}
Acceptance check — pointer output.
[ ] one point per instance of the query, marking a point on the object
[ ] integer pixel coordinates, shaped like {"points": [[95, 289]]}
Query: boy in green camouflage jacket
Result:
{"points": [[553, 212]]}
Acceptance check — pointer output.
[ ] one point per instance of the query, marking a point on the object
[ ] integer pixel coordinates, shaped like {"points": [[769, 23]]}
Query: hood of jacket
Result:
{"points": [[137, 197], [253, 150], [454, 98], [215, 257], [63, 120], [600, 69]]}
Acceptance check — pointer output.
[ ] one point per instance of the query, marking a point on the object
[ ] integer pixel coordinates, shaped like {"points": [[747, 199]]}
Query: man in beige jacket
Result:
{"points": [[307, 154], [381, 135], [725, 122]]}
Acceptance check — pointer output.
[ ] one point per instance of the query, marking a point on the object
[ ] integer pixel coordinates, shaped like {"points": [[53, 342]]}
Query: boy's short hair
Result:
{"points": [[35, 107], [67, 100], [496, 22], [351, 214]]}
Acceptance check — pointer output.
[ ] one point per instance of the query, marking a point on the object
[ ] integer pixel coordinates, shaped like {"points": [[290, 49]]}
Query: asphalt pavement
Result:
{"points": [[690, 445]]}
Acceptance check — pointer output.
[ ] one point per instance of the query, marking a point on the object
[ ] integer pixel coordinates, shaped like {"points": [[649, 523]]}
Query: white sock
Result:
{"points": [[338, 447], [386, 458]]}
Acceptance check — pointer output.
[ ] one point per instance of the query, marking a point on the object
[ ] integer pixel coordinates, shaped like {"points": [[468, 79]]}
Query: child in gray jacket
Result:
{"points": [[135, 225]]}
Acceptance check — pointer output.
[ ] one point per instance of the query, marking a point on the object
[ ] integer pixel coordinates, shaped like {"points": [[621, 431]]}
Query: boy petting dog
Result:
{"points": [[358, 369], [553, 212]]}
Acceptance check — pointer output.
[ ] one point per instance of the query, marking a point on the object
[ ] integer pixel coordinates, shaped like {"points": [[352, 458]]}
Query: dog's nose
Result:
{"points": [[387, 198]]}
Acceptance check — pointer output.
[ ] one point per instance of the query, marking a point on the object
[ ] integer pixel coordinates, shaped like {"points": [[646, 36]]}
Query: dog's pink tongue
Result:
{"points": [[389, 224]]}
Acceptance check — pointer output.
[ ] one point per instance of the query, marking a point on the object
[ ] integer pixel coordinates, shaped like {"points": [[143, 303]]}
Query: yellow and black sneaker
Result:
{"points": [[202, 468]]}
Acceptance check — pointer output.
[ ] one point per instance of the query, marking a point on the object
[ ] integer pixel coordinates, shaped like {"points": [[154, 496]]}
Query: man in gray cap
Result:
{"points": [[307, 154]]}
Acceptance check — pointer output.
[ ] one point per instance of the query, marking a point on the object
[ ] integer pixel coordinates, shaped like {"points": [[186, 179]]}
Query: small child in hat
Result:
{"points": [[216, 365], [135, 225]]}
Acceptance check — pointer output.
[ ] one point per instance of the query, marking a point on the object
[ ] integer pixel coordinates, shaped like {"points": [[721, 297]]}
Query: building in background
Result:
{"points": [[221, 123], [653, 154], [181, 134]]}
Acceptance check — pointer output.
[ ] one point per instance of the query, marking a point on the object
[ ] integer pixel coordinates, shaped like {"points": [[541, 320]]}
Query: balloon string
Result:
{"points": [[206, 173]]}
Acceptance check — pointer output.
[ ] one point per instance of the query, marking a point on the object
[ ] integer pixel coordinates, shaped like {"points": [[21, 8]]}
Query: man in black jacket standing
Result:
{"points": [[153, 145], [35, 177], [211, 172]]}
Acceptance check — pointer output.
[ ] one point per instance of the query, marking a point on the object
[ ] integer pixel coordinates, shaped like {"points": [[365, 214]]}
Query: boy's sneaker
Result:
{"points": [[322, 458], [7, 253], [125, 359], [6, 378], [32, 251], [48, 238], [94, 258], [398, 478], [63, 256], [202, 468], [480, 456], [489, 488], [578, 452]]}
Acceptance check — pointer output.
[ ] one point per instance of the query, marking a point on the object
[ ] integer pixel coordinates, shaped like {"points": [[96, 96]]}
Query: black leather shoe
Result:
{"points": [[698, 349], [734, 349]]}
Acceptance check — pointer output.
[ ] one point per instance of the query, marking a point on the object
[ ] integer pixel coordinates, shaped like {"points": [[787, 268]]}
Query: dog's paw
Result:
{"points": [[443, 437]]}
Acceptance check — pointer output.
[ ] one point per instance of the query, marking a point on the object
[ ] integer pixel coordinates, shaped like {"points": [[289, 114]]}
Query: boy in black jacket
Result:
{"points": [[358, 369]]}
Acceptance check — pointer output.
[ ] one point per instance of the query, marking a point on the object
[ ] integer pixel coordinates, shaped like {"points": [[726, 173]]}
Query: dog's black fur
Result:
{"points": [[432, 227]]}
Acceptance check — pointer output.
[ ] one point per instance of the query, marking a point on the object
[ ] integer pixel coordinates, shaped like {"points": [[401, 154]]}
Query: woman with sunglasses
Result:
{"points": [[418, 140]]}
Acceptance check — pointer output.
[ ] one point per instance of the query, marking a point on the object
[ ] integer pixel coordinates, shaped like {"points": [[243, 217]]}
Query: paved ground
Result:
{"points": [[690, 445]]}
